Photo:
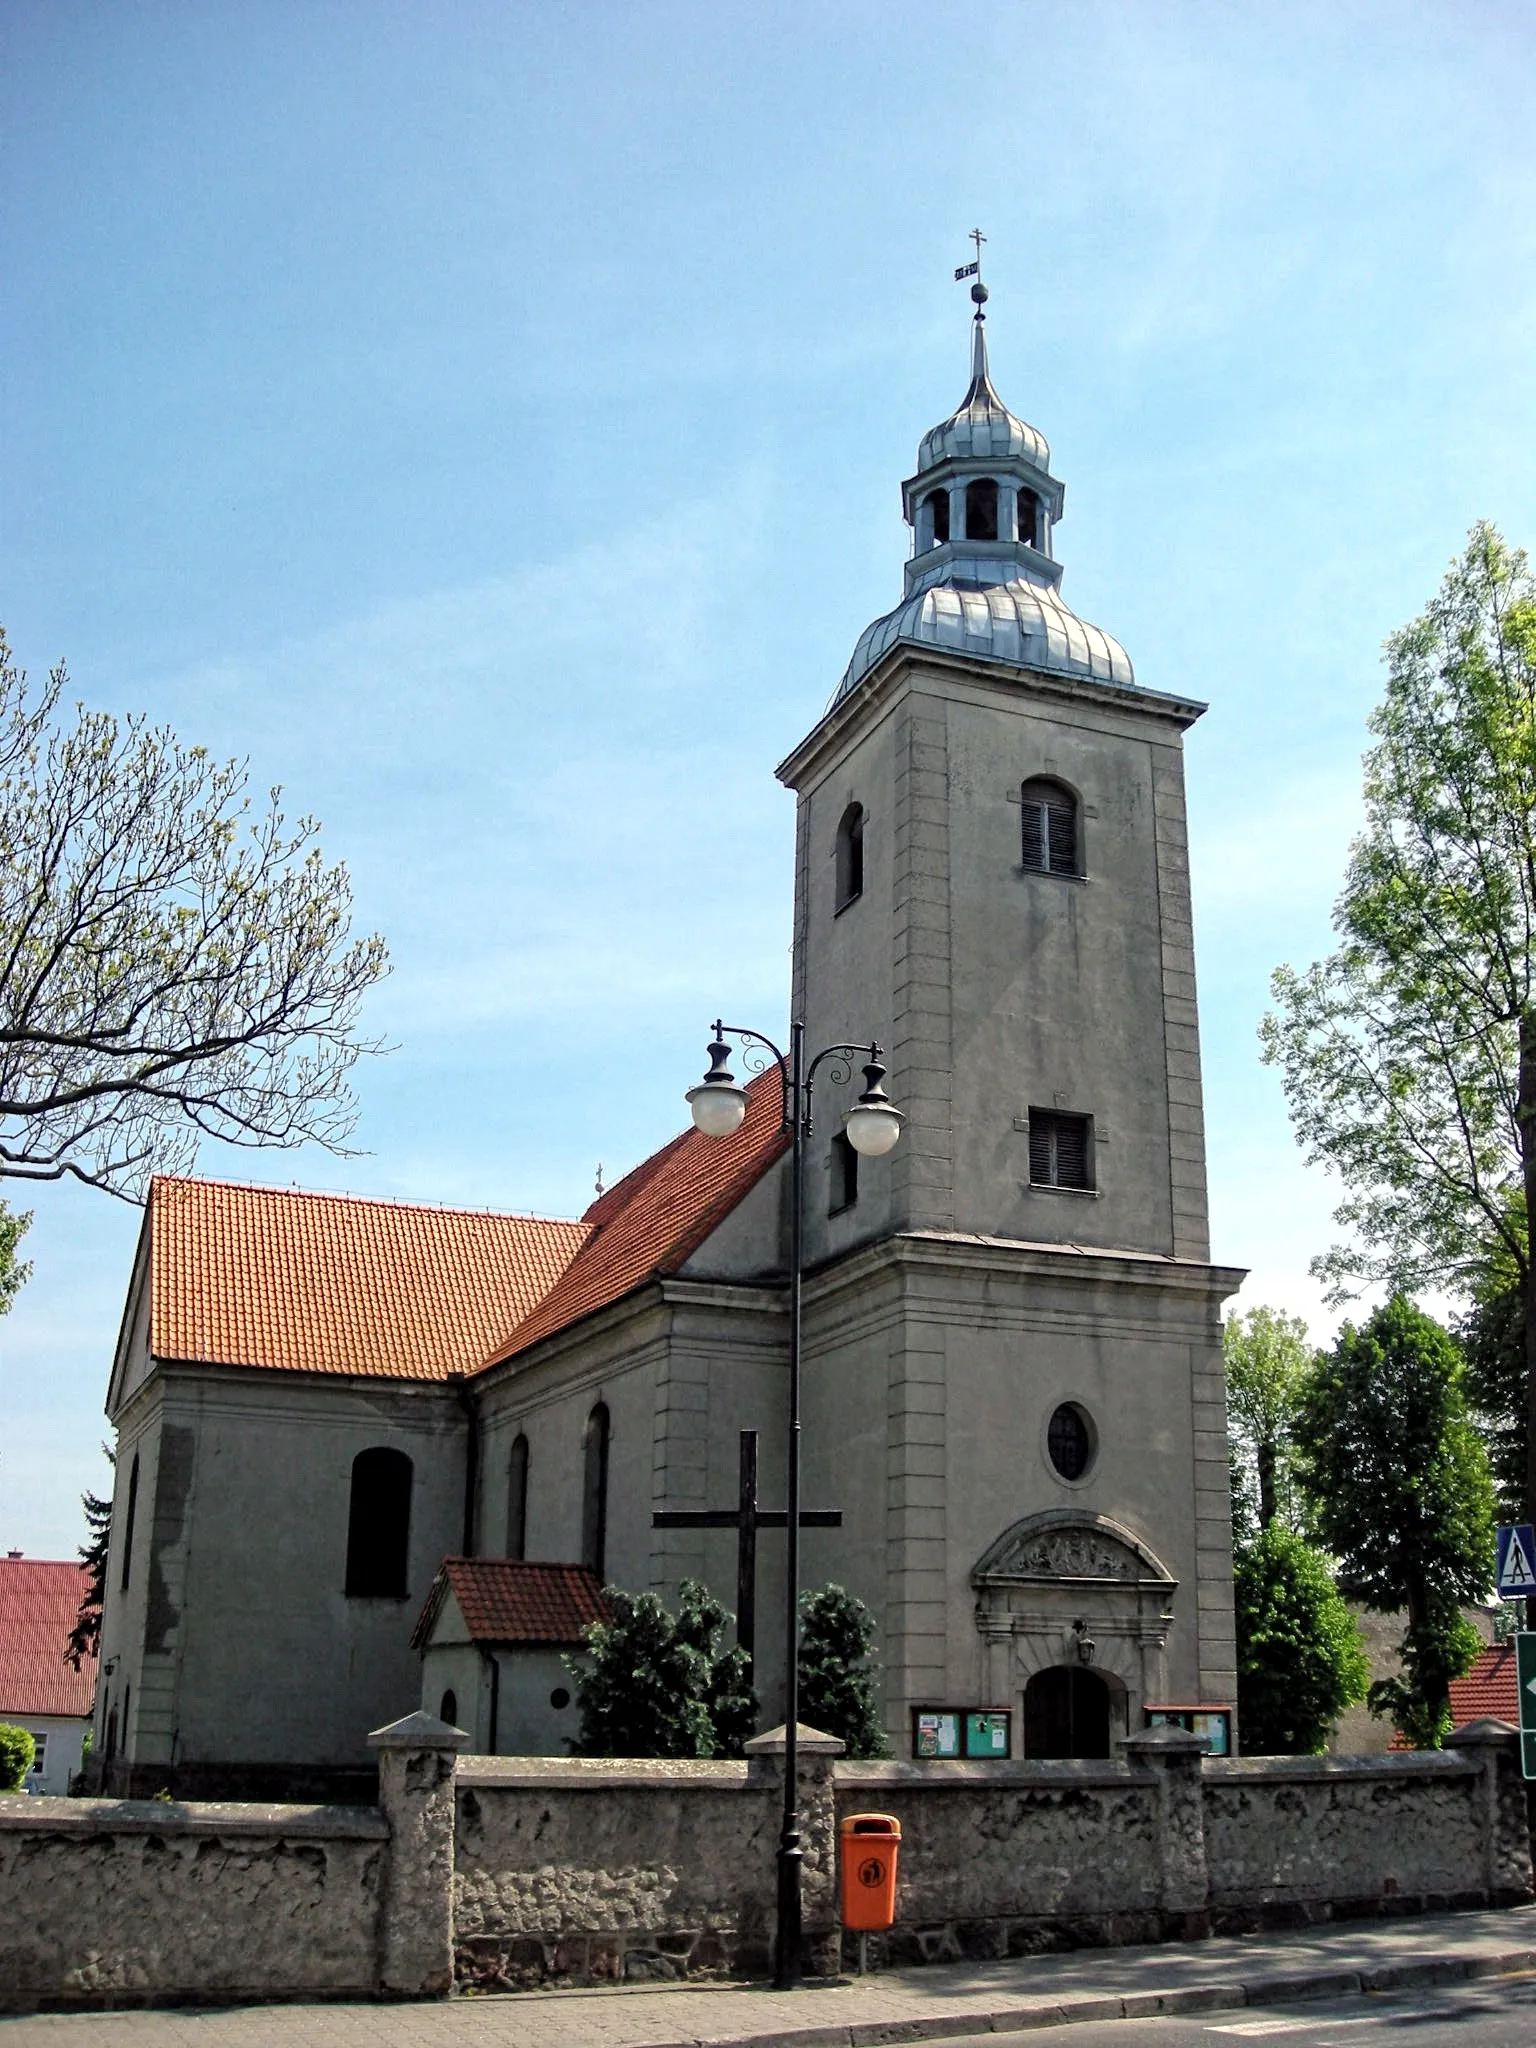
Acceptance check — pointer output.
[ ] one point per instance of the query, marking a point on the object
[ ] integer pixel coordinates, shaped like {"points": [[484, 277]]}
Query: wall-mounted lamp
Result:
{"points": [[1087, 1648]]}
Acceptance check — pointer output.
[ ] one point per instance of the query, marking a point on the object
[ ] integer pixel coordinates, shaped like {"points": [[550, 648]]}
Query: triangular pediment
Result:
{"points": [[1070, 1545]]}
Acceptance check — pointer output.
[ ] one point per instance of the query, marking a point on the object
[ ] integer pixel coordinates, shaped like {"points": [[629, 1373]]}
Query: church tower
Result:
{"points": [[1014, 1318]]}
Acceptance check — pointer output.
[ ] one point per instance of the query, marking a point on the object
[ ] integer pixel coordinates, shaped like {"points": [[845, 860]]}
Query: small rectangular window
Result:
{"points": [[1060, 1152], [39, 1754], [845, 1175]]}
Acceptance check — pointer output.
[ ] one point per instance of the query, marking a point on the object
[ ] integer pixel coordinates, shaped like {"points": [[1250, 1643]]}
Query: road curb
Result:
{"points": [[1283, 1987]]}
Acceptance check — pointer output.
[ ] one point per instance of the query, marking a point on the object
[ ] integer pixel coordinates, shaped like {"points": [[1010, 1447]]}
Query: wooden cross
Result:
{"points": [[746, 1518]]}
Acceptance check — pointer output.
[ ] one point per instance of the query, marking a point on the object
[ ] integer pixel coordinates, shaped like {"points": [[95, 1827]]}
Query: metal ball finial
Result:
{"points": [[980, 293]]}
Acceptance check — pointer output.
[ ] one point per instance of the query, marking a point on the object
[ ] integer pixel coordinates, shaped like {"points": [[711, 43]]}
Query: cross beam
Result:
{"points": [[746, 1518]]}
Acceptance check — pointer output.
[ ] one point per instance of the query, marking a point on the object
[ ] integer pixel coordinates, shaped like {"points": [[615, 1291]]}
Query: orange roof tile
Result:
{"points": [[654, 1219], [505, 1600], [39, 1599], [1487, 1691], [338, 1283]]}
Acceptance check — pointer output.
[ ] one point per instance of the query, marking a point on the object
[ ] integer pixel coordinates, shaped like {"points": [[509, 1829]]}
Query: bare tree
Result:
{"points": [[173, 963]]}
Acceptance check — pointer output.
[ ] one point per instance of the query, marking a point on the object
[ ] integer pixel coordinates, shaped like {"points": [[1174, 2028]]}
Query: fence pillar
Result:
{"points": [[1505, 1819], [416, 1769], [821, 1926], [1174, 1754]]}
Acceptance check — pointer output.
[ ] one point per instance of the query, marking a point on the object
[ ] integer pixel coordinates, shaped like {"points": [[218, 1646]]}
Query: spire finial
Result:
{"points": [[979, 299]]}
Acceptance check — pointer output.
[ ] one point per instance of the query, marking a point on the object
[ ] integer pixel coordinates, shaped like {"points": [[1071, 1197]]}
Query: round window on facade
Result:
{"points": [[559, 1699], [1069, 1441]]}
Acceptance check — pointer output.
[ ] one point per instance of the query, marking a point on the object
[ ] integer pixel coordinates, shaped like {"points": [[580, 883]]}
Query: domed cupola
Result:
{"points": [[982, 579]]}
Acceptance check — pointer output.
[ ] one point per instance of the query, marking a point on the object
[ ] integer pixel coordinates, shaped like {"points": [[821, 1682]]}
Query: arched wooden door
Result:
{"points": [[1066, 1713]]}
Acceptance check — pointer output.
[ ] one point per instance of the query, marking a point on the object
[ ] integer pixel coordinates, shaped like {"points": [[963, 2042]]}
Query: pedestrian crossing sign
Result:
{"points": [[1515, 1551]]}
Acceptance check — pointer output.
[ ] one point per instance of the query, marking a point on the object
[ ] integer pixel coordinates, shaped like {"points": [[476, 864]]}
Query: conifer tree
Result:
{"points": [[650, 1683], [839, 1681]]}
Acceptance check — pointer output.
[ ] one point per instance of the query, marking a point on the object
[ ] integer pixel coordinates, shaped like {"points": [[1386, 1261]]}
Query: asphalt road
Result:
{"points": [[1497, 2013]]}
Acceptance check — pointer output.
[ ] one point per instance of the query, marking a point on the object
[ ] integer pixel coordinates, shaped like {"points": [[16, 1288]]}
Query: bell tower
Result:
{"points": [[993, 872], [1013, 1332]]}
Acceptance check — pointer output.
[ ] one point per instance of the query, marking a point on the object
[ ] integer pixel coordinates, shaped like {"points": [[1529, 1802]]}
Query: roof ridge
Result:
{"points": [[257, 1187]]}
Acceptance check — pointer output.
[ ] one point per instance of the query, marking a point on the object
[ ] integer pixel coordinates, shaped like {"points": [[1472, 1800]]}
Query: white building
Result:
{"points": [[39, 1689]]}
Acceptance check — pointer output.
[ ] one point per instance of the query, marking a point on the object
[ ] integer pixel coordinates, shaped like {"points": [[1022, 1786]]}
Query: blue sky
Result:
{"points": [[488, 420]]}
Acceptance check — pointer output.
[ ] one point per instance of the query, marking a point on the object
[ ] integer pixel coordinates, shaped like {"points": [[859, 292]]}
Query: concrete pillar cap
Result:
{"points": [[1485, 1734], [810, 1742], [1164, 1741], [418, 1731]]}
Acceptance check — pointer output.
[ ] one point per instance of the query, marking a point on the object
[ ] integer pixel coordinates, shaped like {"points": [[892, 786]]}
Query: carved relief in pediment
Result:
{"points": [[1071, 1547]]}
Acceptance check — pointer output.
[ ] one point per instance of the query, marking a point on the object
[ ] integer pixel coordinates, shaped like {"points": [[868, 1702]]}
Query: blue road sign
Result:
{"points": [[1516, 1553], [1525, 1681]]}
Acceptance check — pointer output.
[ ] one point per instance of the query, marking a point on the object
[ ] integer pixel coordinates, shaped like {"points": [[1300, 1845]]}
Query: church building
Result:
{"points": [[1013, 1392]]}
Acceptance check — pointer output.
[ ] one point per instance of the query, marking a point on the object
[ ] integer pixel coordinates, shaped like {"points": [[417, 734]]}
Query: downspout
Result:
{"points": [[471, 1412], [494, 1663]]}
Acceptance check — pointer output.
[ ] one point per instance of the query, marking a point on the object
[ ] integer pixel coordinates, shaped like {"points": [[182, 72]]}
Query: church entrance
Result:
{"points": [[1066, 1713]]}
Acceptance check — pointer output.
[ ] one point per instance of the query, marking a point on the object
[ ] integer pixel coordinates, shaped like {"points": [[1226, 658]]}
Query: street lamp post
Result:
{"points": [[872, 1127]]}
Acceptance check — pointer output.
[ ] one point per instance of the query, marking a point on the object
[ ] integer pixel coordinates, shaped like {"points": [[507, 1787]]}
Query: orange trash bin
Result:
{"points": [[869, 1842]]}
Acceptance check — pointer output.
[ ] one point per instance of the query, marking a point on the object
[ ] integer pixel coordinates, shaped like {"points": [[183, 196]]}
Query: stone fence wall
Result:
{"points": [[504, 1872]]}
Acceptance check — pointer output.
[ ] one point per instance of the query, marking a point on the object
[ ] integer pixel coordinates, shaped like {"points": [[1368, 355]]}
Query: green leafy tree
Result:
{"points": [[650, 1683], [1408, 1056], [839, 1676], [1492, 1334], [172, 963], [17, 1750], [1399, 1484], [1300, 1661], [13, 1271], [1268, 1361]]}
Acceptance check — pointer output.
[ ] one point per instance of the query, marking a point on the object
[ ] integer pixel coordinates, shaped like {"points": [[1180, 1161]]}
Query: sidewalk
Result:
{"points": [[898, 2005]]}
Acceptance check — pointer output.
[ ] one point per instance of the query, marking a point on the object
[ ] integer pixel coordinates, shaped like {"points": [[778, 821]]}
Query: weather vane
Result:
{"points": [[978, 289]]}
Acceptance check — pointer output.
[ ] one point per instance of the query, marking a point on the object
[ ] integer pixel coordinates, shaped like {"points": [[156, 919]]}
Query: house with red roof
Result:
{"points": [[347, 1427], [41, 1688]]}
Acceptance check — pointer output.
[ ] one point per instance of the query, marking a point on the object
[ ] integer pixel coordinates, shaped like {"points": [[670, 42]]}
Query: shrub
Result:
{"points": [[17, 1750]]}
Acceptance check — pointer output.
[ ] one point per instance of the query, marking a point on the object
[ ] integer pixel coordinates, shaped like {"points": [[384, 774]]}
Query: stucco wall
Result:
{"points": [[587, 1870], [102, 1903]]}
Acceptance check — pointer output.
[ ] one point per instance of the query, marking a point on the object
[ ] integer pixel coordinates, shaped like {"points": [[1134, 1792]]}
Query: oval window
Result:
{"points": [[1069, 1441]]}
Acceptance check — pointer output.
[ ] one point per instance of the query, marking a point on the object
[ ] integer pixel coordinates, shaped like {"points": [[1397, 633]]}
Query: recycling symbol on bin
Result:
{"points": [[872, 1871]]}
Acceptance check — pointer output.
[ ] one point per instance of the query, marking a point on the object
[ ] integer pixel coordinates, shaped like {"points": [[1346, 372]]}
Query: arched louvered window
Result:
{"points": [[594, 1505], [850, 856], [937, 505], [517, 1498], [981, 509], [379, 1525], [844, 1163], [1051, 837], [1029, 517], [128, 1521]]}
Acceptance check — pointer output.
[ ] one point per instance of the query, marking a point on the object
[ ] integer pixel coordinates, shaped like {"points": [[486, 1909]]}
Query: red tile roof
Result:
{"points": [[1487, 1692], [504, 1600], [39, 1599], [338, 1283], [653, 1220]]}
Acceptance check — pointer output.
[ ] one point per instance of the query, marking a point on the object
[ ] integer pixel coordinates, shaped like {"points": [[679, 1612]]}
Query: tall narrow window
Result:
{"points": [[845, 1175], [1029, 518], [517, 1498], [981, 509], [110, 1745], [850, 856], [938, 505], [594, 1505], [128, 1521], [1050, 829], [448, 1707], [1059, 1152], [379, 1525]]}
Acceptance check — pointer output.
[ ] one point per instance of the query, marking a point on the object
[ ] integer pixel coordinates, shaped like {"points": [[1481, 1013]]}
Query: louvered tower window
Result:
{"points": [[1059, 1153], [1050, 828]]}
